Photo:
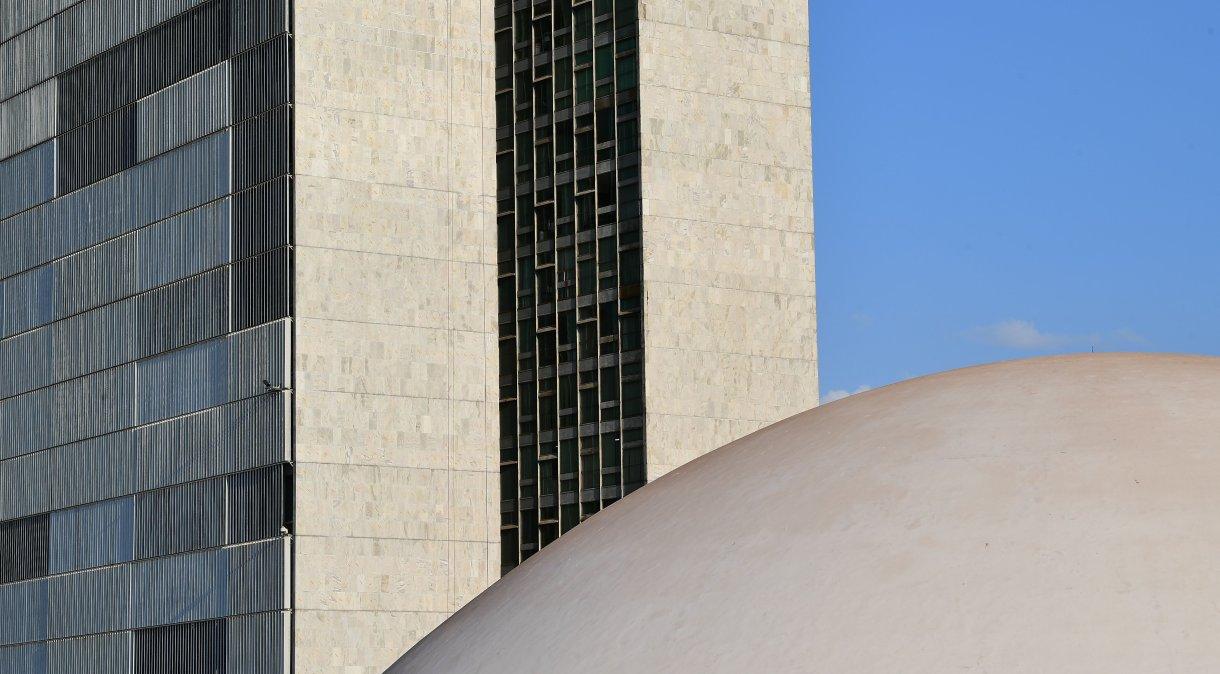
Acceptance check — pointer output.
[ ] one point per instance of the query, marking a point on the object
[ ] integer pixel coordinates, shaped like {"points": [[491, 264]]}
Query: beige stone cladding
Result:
{"points": [[727, 183], [396, 484]]}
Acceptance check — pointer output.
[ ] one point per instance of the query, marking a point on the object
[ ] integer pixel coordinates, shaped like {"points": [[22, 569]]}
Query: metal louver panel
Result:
{"points": [[22, 485], [100, 654], [29, 118], [26, 659], [261, 288], [94, 214], [183, 381], [183, 178], [24, 549], [96, 150], [238, 436], [28, 58], [185, 244], [196, 648], [28, 300], [98, 534], [256, 20], [25, 425], [18, 15], [262, 148], [256, 506], [257, 577], [259, 355], [181, 588], [89, 602], [24, 606], [260, 79], [27, 179], [95, 340], [258, 643], [93, 405], [98, 86], [191, 109], [184, 313], [27, 362], [22, 239], [92, 470], [180, 519], [152, 12], [95, 276], [90, 28], [187, 44], [260, 218]]}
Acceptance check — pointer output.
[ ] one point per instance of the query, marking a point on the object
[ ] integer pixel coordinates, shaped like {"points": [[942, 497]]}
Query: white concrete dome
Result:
{"points": [[1049, 515]]}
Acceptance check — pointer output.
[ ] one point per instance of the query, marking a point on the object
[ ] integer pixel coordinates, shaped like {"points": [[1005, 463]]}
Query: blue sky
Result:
{"points": [[997, 179]]}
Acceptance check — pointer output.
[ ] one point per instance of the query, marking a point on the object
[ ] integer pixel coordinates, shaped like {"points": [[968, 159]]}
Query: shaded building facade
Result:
{"points": [[317, 316]]}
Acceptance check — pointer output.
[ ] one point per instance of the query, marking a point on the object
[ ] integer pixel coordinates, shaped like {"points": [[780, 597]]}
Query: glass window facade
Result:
{"points": [[570, 325], [145, 336]]}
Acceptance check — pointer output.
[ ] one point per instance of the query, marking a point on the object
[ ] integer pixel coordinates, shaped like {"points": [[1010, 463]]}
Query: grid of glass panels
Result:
{"points": [[570, 324], [145, 336]]}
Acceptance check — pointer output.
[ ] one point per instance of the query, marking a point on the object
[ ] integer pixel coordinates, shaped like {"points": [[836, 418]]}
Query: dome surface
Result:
{"points": [[1048, 515]]}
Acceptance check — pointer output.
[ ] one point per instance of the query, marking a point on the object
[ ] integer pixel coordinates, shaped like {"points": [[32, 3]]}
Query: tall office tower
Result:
{"points": [[655, 243], [247, 334]]}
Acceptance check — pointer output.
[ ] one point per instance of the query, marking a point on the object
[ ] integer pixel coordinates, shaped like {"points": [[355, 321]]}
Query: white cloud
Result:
{"points": [[839, 394], [1014, 334]]}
